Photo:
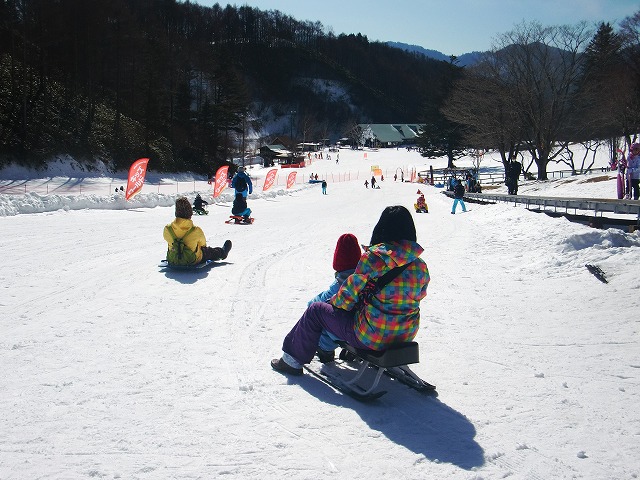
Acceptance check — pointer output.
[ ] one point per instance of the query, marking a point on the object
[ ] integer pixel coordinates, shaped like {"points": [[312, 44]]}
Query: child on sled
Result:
{"points": [[345, 259], [240, 209], [198, 205], [421, 204]]}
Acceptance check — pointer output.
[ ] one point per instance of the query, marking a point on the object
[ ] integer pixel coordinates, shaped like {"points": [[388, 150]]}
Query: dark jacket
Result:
{"points": [[199, 202], [239, 204], [458, 190]]}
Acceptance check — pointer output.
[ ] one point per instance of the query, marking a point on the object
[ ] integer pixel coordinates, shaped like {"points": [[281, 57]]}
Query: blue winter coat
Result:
{"points": [[333, 288], [247, 179]]}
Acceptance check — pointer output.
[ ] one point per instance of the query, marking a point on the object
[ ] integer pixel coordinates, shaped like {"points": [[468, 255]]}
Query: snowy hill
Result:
{"points": [[113, 368]]}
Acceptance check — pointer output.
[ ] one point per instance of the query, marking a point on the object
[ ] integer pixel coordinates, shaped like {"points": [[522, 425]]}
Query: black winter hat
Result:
{"points": [[395, 224], [183, 208]]}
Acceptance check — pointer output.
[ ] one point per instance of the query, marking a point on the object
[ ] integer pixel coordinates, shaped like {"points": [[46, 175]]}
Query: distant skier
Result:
{"points": [[324, 187]]}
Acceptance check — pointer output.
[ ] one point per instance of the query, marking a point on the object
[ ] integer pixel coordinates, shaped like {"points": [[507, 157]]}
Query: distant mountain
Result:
{"points": [[463, 60]]}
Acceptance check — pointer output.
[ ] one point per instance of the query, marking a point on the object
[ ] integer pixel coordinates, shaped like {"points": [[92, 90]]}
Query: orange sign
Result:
{"points": [[221, 181], [291, 179], [137, 172], [270, 179]]}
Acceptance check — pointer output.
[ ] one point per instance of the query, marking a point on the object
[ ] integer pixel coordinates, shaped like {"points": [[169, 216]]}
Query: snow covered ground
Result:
{"points": [[113, 368]]}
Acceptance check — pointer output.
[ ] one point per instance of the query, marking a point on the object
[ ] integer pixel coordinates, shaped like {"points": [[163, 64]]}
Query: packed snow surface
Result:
{"points": [[113, 368]]}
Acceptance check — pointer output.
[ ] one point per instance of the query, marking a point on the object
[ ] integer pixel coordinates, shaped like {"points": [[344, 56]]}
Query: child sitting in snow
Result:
{"points": [[198, 205], [193, 237], [240, 208], [421, 204], [345, 258]]}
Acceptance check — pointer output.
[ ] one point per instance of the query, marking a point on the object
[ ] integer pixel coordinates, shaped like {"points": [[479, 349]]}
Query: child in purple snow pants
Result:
{"points": [[302, 341]]}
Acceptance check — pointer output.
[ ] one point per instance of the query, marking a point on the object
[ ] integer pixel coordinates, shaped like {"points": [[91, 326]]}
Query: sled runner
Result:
{"points": [[393, 362], [237, 219], [197, 266], [597, 272]]}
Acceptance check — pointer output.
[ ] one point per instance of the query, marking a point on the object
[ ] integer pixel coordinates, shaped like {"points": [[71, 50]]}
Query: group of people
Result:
{"points": [[242, 185], [183, 231], [353, 309], [374, 182], [192, 237], [458, 198], [348, 311]]}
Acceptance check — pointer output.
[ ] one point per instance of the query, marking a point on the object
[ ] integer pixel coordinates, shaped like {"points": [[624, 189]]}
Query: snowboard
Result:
{"points": [[197, 266], [238, 220]]}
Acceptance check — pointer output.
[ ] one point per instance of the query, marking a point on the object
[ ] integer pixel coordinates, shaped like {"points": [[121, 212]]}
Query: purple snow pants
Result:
{"points": [[302, 341]]}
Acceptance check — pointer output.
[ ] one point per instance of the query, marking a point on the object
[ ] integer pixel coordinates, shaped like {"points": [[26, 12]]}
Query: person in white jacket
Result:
{"points": [[633, 169]]}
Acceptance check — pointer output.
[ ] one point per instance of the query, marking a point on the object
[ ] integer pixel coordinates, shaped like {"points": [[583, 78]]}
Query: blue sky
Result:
{"points": [[453, 27]]}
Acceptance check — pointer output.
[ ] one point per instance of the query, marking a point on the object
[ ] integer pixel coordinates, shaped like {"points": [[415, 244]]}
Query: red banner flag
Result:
{"points": [[221, 181], [137, 172], [291, 179], [269, 179]]}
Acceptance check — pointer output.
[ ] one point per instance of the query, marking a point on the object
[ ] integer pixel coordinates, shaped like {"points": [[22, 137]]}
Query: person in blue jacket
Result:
{"points": [[241, 182], [345, 259]]}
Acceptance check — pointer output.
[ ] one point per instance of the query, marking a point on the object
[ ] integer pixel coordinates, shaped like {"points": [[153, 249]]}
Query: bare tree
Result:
{"points": [[488, 110], [590, 149], [540, 67]]}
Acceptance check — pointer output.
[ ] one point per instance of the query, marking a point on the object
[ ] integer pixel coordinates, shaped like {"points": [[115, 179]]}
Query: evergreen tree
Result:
{"points": [[439, 136], [602, 91]]}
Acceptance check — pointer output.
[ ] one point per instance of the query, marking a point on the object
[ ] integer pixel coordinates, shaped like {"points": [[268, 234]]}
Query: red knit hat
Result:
{"points": [[347, 253]]}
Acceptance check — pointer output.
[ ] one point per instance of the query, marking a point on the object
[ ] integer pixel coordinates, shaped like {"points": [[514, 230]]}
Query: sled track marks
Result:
{"points": [[528, 462]]}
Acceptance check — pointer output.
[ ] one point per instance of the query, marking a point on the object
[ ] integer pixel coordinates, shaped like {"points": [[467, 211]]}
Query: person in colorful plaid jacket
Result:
{"points": [[389, 317]]}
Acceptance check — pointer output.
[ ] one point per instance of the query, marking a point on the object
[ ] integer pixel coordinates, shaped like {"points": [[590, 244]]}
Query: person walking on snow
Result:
{"points": [[458, 194], [324, 187]]}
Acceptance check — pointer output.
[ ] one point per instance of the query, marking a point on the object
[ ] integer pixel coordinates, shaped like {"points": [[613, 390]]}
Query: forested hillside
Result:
{"points": [[186, 85]]}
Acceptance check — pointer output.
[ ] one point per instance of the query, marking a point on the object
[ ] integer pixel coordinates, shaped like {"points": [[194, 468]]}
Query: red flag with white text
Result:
{"points": [[291, 179], [137, 172], [269, 179], [221, 181]]}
